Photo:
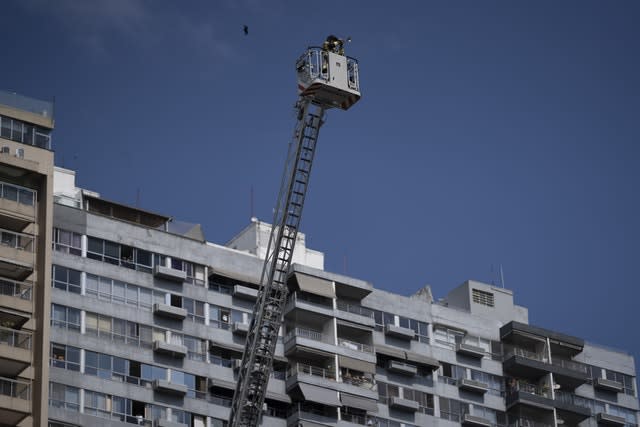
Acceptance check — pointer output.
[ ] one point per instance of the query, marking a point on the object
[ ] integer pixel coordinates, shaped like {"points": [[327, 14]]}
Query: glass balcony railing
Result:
{"points": [[571, 365], [25, 103], [354, 309], [15, 338], [11, 288], [15, 388], [526, 422], [21, 241], [316, 371], [16, 193], [357, 346]]}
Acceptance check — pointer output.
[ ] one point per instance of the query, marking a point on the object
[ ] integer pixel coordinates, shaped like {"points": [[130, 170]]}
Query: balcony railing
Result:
{"points": [[306, 333], [15, 388], [311, 299], [316, 371], [357, 346], [571, 365], [16, 193], [14, 338], [521, 352], [21, 102], [12, 288], [355, 309], [526, 422], [570, 399], [15, 240], [354, 418]]}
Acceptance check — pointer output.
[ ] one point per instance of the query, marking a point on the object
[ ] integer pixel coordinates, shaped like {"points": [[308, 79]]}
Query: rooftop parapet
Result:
{"points": [[38, 107]]}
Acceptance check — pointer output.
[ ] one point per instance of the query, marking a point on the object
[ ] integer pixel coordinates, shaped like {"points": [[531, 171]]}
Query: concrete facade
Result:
{"points": [[26, 223]]}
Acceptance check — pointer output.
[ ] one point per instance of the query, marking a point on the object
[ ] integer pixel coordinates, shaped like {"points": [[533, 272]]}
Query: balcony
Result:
{"points": [[608, 385], [15, 351], [169, 273], [161, 422], [167, 387], [403, 404], [470, 350], [16, 294], [529, 395], [175, 350], [475, 421], [401, 368], [308, 340], [169, 311], [245, 292], [355, 313], [571, 408], [355, 346], [527, 422], [17, 256], [240, 328], [603, 418], [19, 203], [314, 371], [472, 385], [524, 363], [399, 332], [15, 400]]}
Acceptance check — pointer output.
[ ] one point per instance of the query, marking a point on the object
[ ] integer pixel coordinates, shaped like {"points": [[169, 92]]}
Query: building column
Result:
{"points": [[83, 325], [81, 400], [206, 313], [82, 362], [83, 283], [84, 243]]}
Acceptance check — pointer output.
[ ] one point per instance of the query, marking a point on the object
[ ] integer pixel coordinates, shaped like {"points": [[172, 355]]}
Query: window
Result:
{"points": [[626, 381], [65, 357], [420, 328], [67, 241], [452, 410], [495, 382], [118, 292], [66, 279], [497, 418], [18, 194], [65, 317], [64, 396], [445, 337], [219, 317], [195, 310], [383, 318], [482, 297], [450, 373]]}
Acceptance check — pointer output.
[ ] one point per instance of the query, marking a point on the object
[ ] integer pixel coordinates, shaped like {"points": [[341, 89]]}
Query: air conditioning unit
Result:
{"points": [[5, 150], [20, 153], [237, 363]]}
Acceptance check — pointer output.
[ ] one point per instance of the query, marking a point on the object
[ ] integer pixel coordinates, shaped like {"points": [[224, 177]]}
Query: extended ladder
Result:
{"points": [[257, 360]]}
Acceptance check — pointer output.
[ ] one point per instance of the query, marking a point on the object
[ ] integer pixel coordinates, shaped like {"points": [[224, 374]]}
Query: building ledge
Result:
{"points": [[170, 311], [168, 273]]}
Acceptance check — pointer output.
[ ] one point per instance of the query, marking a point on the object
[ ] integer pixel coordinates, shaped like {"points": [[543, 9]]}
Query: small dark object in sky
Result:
{"points": [[245, 29]]}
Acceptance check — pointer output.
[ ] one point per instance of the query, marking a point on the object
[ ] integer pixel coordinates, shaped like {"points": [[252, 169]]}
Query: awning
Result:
{"points": [[390, 351], [369, 405], [315, 285], [319, 395], [353, 325], [423, 360], [313, 351], [305, 423], [356, 364]]}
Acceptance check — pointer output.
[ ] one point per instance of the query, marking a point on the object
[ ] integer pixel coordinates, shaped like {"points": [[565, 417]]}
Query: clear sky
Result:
{"points": [[489, 133]]}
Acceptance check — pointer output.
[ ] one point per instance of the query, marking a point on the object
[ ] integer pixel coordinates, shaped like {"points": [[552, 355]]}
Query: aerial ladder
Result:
{"points": [[326, 79]]}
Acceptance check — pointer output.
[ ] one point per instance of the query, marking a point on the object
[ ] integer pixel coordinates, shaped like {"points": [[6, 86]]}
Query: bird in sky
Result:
{"points": [[245, 28]]}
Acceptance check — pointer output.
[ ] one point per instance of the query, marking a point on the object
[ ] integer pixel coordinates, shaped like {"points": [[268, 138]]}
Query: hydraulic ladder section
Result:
{"points": [[257, 360]]}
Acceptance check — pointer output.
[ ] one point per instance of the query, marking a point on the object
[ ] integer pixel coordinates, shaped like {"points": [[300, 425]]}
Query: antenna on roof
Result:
{"points": [[251, 201], [501, 276]]}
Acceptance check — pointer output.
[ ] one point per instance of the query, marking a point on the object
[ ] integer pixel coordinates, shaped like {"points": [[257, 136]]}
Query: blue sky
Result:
{"points": [[489, 133]]}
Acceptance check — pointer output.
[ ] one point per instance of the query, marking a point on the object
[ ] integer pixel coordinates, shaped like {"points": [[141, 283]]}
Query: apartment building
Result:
{"points": [[26, 213], [148, 321]]}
